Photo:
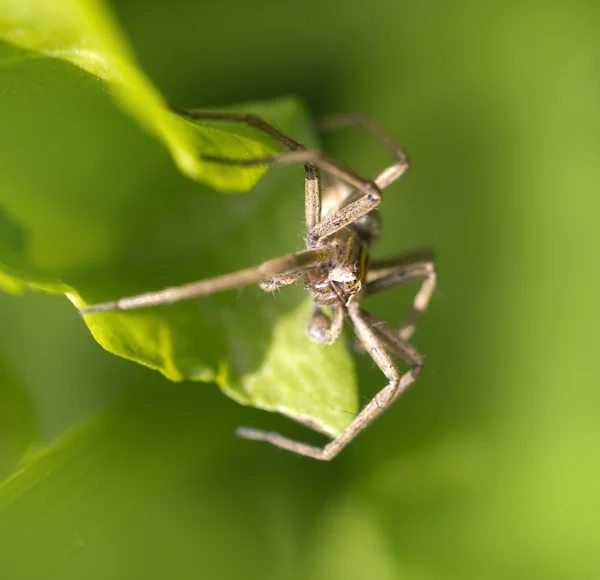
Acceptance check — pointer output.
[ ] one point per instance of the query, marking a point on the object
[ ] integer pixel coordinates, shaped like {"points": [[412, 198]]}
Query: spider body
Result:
{"points": [[336, 281], [342, 225]]}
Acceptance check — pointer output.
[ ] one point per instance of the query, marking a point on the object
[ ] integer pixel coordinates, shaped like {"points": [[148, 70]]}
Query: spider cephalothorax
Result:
{"points": [[341, 226], [335, 281]]}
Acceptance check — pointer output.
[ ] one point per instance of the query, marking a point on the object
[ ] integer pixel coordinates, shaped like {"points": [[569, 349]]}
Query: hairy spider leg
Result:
{"points": [[299, 261]]}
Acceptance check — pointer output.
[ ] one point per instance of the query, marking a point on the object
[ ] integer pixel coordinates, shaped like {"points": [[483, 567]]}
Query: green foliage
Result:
{"points": [[83, 34], [17, 421]]}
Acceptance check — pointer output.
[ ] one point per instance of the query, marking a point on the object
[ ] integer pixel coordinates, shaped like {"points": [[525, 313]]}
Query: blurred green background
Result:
{"points": [[489, 468]]}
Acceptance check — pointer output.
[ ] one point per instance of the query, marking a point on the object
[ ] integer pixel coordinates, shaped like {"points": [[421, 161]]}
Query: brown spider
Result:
{"points": [[341, 226]]}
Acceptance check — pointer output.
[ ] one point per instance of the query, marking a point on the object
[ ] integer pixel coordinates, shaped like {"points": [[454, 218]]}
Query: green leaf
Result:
{"points": [[92, 207], [84, 34]]}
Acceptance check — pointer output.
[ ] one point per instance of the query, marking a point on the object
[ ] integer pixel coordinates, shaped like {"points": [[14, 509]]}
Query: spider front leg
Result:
{"points": [[389, 174], [371, 190], [312, 186], [298, 262], [276, 282], [239, 117], [370, 199], [377, 341]]}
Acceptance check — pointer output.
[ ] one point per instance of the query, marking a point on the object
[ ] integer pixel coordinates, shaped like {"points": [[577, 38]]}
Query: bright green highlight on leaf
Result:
{"points": [[92, 207]]}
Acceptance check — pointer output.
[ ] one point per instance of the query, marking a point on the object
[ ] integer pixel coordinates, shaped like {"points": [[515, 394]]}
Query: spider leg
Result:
{"points": [[312, 179], [398, 347], [276, 282], [370, 199], [322, 329], [246, 118], [389, 174], [371, 190], [269, 269], [271, 274], [377, 340], [384, 275]]}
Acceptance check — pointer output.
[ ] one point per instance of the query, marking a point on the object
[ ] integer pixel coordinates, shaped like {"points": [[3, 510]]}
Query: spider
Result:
{"points": [[341, 226]]}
